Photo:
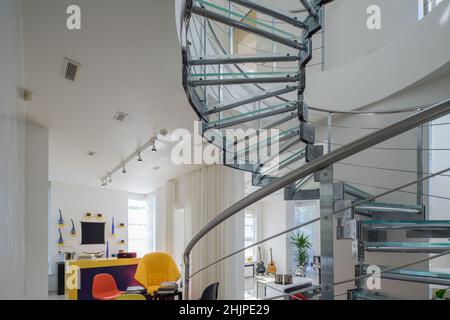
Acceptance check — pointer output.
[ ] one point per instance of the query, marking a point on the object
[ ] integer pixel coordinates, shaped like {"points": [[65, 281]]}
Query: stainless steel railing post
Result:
{"points": [[187, 265], [379, 136]]}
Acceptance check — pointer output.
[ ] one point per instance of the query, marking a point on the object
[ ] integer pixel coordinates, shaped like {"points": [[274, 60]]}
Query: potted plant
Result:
{"points": [[302, 244], [440, 294]]}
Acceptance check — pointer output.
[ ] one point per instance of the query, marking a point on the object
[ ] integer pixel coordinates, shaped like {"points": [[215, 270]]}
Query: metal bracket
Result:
{"points": [[259, 180], [343, 209], [303, 112], [355, 249], [313, 152], [307, 133], [327, 233], [301, 195], [346, 229]]}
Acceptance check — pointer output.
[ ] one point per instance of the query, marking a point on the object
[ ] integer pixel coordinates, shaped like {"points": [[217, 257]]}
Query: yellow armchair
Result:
{"points": [[155, 268]]}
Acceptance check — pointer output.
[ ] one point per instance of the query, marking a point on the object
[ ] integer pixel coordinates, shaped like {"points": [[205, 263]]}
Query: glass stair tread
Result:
{"points": [[355, 192], [249, 114], [293, 157], [374, 207], [371, 295], [247, 24], [424, 247], [261, 97], [407, 224], [241, 58], [279, 137], [292, 73], [239, 16], [421, 273], [413, 275], [239, 150]]}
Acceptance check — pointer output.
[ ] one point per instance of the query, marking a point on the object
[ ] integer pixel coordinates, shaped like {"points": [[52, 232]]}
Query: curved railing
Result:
{"points": [[225, 92], [341, 153]]}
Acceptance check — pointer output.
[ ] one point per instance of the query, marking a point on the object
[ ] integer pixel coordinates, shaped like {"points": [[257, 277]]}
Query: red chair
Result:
{"points": [[104, 287], [298, 296]]}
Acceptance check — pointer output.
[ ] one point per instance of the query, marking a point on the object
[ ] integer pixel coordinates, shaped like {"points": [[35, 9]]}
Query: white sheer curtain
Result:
{"points": [[165, 197], [209, 191]]}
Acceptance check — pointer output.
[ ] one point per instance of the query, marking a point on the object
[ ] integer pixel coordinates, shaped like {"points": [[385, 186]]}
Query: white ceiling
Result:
{"points": [[131, 62]]}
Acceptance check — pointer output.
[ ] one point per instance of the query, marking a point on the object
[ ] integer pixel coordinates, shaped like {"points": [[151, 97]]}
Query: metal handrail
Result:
{"points": [[324, 161], [372, 113], [387, 270], [320, 163], [304, 224]]}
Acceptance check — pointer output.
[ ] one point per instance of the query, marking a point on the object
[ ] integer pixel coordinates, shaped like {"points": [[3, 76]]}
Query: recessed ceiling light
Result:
{"points": [[91, 153], [156, 168]]}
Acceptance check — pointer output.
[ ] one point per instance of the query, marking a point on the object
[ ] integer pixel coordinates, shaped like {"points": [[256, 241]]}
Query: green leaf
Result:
{"points": [[302, 243]]}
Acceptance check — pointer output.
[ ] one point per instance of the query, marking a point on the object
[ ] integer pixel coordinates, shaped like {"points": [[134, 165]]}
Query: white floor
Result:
{"points": [[250, 289], [54, 296]]}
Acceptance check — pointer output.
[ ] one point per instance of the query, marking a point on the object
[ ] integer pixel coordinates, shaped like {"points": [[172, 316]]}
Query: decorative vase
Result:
{"points": [[73, 232], [300, 271], [60, 240], [60, 220]]}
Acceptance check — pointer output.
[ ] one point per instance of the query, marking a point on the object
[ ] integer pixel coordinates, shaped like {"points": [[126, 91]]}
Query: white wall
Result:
{"points": [[347, 36], [75, 201], [12, 155], [273, 220], [36, 222], [383, 71], [440, 185]]}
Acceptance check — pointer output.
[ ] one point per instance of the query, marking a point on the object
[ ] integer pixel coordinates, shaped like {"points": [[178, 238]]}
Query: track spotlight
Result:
{"points": [[107, 179]]}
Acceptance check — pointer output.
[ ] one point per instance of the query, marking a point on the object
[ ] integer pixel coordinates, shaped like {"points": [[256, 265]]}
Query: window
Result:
{"points": [[304, 212], [426, 6], [141, 224], [250, 234]]}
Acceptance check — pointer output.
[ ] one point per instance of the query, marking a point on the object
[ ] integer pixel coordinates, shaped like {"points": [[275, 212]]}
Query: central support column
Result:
{"points": [[327, 233]]}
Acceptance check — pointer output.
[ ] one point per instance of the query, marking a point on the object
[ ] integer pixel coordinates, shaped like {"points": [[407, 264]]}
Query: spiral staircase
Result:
{"points": [[244, 68]]}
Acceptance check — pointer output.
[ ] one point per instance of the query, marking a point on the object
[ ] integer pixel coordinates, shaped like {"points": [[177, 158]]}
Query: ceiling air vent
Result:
{"points": [[70, 69], [120, 116]]}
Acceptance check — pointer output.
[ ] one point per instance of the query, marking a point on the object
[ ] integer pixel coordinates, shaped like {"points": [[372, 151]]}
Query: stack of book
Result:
{"points": [[136, 290], [168, 288]]}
